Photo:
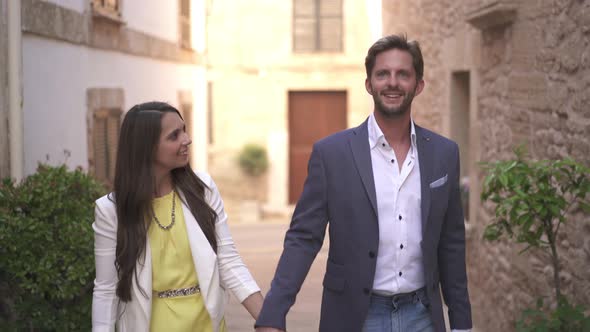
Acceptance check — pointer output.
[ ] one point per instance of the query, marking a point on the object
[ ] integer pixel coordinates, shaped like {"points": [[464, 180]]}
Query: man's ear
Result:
{"points": [[420, 87], [368, 86]]}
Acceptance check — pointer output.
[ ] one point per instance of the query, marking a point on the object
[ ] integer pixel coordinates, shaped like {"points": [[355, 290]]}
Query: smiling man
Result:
{"points": [[390, 191]]}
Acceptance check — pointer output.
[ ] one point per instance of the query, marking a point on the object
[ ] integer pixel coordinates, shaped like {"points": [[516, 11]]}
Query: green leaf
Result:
{"points": [[585, 206], [44, 241]]}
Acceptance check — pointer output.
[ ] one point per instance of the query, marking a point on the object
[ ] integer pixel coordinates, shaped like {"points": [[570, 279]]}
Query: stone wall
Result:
{"points": [[532, 80]]}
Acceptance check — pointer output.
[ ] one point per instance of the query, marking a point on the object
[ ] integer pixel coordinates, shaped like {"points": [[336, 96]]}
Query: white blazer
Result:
{"points": [[216, 272]]}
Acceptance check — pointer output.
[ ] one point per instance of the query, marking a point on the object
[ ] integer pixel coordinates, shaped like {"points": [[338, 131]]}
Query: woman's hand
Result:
{"points": [[253, 304]]}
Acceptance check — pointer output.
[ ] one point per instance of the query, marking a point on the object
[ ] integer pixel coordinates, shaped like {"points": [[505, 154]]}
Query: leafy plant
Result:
{"points": [[532, 199], [565, 318], [46, 256], [253, 159]]}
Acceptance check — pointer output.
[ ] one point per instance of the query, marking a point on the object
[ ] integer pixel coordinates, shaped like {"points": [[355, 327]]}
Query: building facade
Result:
{"points": [[499, 74], [282, 74], [86, 62], [4, 114]]}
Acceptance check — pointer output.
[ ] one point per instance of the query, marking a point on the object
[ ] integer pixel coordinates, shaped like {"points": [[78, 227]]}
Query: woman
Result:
{"points": [[164, 254]]}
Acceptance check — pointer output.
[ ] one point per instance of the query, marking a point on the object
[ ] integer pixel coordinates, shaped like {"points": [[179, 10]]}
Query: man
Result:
{"points": [[390, 191]]}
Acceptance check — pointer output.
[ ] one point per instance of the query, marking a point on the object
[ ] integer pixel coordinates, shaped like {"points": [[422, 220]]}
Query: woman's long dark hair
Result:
{"points": [[134, 187]]}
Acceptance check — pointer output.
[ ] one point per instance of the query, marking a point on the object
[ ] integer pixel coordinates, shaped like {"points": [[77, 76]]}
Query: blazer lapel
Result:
{"points": [[205, 261], [359, 143], [425, 154]]}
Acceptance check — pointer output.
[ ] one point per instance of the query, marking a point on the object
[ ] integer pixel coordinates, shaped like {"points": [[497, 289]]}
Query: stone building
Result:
{"points": [[282, 74], [498, 74], [83, 63]]}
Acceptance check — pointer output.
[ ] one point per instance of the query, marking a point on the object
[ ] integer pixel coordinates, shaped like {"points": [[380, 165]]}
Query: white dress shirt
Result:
{"points": [[399, 259]]}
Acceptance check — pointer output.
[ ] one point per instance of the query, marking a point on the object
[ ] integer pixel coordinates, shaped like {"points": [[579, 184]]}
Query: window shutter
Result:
{"points": [[100, 148], [113, 127], [304, 25], [317, 25], [184, 19], [112, 4], [304, 7], [305, 34], [187, 115], [185, 8], [331, 34], [112, 7], [331, 8], [105, 132], [331, 25]]}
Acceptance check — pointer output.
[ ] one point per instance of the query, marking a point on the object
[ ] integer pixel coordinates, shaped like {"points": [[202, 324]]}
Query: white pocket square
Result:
{"points": [[439, 182]]}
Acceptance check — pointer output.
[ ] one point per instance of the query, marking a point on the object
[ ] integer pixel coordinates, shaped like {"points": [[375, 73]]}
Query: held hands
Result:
{"points": [[268, 329]]}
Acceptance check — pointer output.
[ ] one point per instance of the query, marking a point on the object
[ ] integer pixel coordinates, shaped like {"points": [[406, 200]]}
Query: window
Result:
{"points": [[317, 26], [105, 134], [184, 19], [185, 102], [107, 8], [186, 110]]}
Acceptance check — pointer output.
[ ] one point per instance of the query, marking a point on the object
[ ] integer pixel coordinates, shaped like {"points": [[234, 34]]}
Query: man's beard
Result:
{"points": [[394, 112]]}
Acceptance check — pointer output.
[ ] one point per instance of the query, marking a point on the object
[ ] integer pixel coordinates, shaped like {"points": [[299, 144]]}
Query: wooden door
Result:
{"points": [[312, 116]]}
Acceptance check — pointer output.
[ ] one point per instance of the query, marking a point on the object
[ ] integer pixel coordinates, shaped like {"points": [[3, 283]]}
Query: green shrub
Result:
{"points": [[564, 318], [253, 159], [46, 252], [531, 201]]}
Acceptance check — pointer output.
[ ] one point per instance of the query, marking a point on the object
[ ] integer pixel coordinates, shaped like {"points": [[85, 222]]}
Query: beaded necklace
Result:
{"points": [[173, 215]]}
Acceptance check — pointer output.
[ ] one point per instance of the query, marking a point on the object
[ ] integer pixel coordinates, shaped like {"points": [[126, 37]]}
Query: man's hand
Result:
{"points": [[268, 329]]}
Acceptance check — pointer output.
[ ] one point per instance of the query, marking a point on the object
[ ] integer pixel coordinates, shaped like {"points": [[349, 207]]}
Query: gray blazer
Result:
{"points": [[340, 189]]}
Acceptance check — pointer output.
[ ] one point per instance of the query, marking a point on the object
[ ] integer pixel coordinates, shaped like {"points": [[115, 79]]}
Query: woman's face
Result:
{"points": [[172, 149]]}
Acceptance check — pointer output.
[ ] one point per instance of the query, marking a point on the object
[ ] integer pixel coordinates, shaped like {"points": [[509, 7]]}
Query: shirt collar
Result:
{"points": [[376, 136]]}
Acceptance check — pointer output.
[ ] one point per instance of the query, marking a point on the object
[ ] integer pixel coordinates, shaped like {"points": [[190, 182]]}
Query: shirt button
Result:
{"points": [[383, 144], [371, 254], [392, 161], [366, 291], [401, 246], [400, 217], [400, 273]]}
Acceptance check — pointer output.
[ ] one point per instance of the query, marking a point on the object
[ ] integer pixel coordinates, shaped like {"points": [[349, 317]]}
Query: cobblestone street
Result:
{"points": [[260, 246]]}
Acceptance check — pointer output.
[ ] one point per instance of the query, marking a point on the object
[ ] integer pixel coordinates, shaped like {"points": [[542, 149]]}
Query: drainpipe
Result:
{"points": [[15, 99]]}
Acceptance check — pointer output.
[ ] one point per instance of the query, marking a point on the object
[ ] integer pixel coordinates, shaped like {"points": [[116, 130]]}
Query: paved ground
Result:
{"points": [[260, 246]]}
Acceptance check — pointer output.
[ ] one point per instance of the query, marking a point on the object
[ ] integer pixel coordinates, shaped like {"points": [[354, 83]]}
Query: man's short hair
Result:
{"points": [[396, 42]]}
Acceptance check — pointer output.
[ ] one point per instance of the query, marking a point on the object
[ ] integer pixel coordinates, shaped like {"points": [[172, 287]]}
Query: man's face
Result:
{"points": [[393, 83]]}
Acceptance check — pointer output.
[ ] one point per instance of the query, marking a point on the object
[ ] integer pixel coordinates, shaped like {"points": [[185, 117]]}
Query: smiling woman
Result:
{"points": [[164, 254], [173, 145]]}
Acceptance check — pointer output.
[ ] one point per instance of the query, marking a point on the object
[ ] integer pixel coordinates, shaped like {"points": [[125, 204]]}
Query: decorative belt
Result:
{"points": [[179, 292]]}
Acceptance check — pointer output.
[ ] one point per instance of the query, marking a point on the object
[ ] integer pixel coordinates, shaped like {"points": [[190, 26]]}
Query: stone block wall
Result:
{"points": [[533, 87]]}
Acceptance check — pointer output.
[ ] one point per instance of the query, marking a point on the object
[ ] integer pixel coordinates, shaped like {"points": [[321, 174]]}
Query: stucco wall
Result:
{"points": [[252, 68], [4, 142], [55, 94], [66, 52], [154, 17], [531, 84]]}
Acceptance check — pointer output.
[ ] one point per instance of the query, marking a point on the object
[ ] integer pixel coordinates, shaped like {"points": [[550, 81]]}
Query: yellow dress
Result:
{"points": [[173, 268]]}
